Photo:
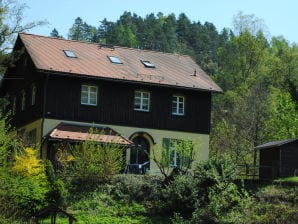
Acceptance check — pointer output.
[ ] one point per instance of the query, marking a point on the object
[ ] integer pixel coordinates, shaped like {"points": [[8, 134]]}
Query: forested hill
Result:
{"points": [[259, 75]]}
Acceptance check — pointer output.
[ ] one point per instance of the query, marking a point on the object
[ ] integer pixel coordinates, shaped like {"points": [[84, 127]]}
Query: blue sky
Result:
{"points": [[280, 17]]}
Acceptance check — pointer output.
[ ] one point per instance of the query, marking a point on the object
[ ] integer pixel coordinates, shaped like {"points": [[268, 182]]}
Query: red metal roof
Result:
{"points": [[81, 133], [92, 60]]}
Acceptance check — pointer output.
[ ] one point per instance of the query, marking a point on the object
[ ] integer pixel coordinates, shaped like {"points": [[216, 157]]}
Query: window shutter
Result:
{"points": [[166, 143]]}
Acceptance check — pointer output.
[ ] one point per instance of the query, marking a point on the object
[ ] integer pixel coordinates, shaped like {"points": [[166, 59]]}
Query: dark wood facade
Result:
{"points": [[115, 105], [279, 161], [21, 77]]}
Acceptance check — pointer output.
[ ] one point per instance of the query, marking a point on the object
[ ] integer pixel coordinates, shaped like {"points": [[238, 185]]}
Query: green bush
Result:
{"points": [[277, 194], [215, 198], [22, 196], [24, 185], [89, 164], [225, 205], [57, 193], [215, 171], [274, 204], [264, 213], [178, 196], [101, 207], [138, 188]]}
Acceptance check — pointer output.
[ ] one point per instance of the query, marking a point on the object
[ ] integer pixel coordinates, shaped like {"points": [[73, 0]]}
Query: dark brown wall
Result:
{"points": [[21, 77], [289, 159], [283, 161], [115, 105], [269, 167]]}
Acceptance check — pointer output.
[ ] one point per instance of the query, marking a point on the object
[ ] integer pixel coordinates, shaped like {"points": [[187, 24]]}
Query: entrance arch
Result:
{"points": [[141, 152]]}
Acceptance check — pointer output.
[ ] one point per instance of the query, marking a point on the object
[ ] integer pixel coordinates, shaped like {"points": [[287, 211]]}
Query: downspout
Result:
{"points": [[43, 112], [280, 168]]}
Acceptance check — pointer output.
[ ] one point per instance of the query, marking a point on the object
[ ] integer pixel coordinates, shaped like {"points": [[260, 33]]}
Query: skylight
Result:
{"points": [[115, 60], [70, 53], [148, 64]]}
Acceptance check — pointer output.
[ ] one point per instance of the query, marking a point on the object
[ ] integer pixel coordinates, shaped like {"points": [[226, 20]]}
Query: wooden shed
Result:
{"points": [[278, 159]]}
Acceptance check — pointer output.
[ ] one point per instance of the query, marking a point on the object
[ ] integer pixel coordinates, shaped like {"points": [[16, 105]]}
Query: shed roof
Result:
{"points": [[275, 144], [73, 132], [92, 60]]}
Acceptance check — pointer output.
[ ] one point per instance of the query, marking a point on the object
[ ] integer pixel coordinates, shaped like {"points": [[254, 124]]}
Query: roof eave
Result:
{"points": [[127, 81]]}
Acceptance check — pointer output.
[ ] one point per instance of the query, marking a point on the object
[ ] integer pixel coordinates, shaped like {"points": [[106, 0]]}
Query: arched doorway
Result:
{"points": [[140, 153]]}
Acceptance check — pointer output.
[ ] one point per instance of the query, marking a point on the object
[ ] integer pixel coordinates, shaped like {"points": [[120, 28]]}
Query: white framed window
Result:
{"points": [[14, 105], [33, 94], [89, 95], [142, 101], [178, 105], [23, 100]]}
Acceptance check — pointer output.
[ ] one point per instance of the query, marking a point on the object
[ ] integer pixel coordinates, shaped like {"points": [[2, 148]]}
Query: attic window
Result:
{"points": [[70, 54], [148, 64], [115, 60]]}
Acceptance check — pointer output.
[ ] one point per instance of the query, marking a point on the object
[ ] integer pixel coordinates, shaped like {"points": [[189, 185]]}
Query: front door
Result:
{"points": [[140, 153]]}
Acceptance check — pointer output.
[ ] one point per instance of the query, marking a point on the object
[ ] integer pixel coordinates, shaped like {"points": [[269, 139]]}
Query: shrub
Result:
{"points": [[263, 213], [215, 171], [225, 205], [27, 183], [178, 196], [57, 192], [90, 164], [136, 187]]}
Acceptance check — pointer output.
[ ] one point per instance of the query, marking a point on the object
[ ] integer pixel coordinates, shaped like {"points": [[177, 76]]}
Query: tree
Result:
{"points": [[282, 122], [81, 31], [55, 33], [11, 23], [248, 23]]}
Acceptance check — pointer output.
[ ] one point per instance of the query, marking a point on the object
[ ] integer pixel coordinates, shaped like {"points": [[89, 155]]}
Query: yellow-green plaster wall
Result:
{"points": [[201, 140]]}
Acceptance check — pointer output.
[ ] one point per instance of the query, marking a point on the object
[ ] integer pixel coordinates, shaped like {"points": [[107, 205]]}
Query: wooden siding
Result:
{"points": [[279, 161], [20, 78], [289, 159], [115, 105], [269, 167]]}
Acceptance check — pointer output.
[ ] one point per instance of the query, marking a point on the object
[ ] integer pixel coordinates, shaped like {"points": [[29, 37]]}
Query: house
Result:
{"points": [[278, 159], [145, 97]]}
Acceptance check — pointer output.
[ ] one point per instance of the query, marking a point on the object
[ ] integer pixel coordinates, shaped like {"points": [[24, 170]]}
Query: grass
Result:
{"points": [[288, 180], [100, 207]]}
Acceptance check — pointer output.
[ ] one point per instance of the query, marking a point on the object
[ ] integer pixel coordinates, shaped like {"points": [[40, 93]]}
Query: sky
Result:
{"points": [[280, 17]]}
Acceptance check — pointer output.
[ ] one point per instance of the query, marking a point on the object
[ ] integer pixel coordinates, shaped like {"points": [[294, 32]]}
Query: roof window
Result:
{"points": [[70, 53], [115, 60], [148, 64]]}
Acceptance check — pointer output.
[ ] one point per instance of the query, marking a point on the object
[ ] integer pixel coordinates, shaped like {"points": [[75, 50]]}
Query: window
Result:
{"points": [[33, 95], [31, 138], [21, 133], [148, 64], [178, 152], [89, 95], [23, 101], [115, 60], [70, 53], [142, 101], [178, 105], [14, 105]]}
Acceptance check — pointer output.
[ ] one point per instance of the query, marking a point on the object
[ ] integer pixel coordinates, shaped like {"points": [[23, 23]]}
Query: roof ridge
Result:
{"points": [[98, 44]]}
